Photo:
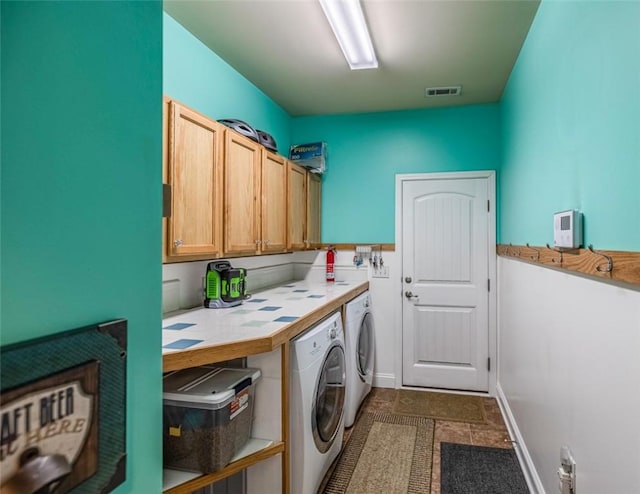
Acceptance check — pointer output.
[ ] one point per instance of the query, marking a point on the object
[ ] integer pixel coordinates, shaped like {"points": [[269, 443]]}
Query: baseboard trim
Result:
{"points": [[531, 475], [384, 380]]}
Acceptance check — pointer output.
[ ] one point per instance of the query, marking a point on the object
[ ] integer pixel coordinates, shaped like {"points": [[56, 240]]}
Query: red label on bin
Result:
{"points": [[240, 402]]}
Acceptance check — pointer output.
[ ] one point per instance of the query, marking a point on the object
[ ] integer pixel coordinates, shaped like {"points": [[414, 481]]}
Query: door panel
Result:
{"points": [[449, 251], [445, 307], [449, 340]]}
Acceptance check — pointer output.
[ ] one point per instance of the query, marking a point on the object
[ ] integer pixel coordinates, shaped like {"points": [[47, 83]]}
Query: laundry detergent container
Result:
{"points": [[207, 416]]}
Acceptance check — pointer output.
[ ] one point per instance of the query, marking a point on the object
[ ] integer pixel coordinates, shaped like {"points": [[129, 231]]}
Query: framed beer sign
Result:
{"points": [[63, 411]]}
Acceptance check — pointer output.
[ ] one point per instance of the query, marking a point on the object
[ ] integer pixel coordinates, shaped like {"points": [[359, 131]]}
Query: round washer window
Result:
{"points": [[329, 402], [365, 346]]}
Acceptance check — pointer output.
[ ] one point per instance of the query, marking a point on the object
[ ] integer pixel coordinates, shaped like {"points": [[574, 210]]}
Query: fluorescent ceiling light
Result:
{"points": [[347, 21]]}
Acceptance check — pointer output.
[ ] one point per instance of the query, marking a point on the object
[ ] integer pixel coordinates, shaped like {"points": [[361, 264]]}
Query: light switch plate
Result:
{"points": [[381, 272]]}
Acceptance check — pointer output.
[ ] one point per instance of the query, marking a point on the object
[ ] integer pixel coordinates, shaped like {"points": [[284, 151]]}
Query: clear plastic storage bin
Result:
{"points": [[207, 416]]}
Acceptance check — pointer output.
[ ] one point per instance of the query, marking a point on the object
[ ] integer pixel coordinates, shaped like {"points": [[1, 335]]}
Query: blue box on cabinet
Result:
{"points": [[312, 156]]}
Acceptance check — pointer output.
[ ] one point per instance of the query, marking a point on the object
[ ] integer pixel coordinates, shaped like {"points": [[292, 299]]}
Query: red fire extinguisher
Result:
{"points": [[331, 256]]}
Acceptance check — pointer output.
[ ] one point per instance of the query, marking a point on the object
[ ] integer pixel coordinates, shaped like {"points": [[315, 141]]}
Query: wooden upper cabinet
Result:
{"points": [[225, 194], [314, 203], [296, 207], [241, 193], [194, 172], [273, 213]]}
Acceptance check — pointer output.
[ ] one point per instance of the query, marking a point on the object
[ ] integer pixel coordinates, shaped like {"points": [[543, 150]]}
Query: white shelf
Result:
{"points": [[253, 445], [173, 478]]}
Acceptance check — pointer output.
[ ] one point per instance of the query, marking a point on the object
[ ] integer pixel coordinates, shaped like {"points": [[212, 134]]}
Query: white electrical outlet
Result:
{"points": [[567, 472]]}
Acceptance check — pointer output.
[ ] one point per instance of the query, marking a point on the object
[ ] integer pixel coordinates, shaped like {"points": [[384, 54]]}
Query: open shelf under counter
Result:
{"points": [[261, 328], [254, 451]]}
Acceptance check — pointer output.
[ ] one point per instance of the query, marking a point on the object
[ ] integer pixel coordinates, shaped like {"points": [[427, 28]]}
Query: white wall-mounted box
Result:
{"points": [[567, 229]]}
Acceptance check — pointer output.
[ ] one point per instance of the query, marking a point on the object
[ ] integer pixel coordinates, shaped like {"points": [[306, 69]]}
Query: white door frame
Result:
{"points": [[397, 283]]}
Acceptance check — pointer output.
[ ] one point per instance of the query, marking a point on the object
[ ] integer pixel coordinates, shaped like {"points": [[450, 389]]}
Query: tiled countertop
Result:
{"points": [[265, 321]]}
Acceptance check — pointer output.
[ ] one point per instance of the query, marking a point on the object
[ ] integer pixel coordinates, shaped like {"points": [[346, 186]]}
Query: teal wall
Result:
{"points": [[80, 195], [571, 119], [366, 151], [197, 77]]}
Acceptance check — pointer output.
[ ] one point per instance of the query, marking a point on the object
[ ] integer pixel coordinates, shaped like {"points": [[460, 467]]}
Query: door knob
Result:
{"points": [[410, 295]]}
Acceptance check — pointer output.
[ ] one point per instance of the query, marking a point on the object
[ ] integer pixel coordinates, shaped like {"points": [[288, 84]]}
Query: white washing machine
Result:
{"points": [[360, 347], [317, 394]]}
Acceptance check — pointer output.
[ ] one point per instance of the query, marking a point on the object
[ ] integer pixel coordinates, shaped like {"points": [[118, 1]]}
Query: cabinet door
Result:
{"points": [[194, 228], [314, 198], [273, 221], [241, 190], [296, 207]]}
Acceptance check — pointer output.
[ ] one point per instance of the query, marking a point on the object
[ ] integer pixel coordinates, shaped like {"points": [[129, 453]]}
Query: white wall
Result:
{"points": [[384, 301], [183, 285], [569, 374]]}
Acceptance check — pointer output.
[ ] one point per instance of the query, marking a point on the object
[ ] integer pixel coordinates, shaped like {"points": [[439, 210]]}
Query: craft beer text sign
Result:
{"points": [[63, 411], [55, 415]]}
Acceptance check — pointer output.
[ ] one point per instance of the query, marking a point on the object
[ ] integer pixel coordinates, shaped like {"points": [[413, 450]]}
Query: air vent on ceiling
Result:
{"points": [[443, 91]]}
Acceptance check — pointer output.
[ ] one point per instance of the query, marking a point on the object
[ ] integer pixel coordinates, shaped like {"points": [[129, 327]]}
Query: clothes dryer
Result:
{"points": [[360, 347], [317, 394]]}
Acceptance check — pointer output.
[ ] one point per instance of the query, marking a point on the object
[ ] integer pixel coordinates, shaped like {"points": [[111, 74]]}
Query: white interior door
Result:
{"points": [[445, 271]]}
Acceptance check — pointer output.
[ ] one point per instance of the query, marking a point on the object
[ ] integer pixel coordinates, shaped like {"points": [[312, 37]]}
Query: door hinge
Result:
{"points": [[166, 201], [488, 205], [489, 364], [488, 284]]}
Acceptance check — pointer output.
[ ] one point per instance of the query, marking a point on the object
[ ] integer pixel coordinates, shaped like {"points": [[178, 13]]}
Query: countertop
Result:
{"points": [[268, 319]]}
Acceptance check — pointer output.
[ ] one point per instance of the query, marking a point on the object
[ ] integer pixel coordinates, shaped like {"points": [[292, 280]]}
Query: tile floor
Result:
{"points": [[493, 433]]}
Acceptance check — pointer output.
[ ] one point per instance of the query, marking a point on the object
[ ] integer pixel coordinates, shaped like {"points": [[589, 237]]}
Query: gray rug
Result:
{"points": [[468, 469]]}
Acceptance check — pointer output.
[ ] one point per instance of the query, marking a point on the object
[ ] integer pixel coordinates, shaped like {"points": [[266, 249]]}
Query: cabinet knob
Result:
{"points": [[177, 243], [258, 242], [266, 242]]}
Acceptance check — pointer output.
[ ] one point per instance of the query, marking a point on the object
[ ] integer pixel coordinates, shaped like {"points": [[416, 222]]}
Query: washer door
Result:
{"points": [[328, 403], [365, 347]]}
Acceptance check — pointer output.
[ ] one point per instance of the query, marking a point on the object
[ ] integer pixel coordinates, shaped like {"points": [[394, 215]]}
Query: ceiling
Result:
{"points": [[287, 49]]}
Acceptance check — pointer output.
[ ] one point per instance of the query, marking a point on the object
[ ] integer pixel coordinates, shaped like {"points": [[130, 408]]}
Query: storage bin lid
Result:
{"points": [[206, 387]]}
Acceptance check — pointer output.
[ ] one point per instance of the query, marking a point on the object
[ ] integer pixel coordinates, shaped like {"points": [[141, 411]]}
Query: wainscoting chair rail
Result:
{"points": [[378, 246], [623, 266]]}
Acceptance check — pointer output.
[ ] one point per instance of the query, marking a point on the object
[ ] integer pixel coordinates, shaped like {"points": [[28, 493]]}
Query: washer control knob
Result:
{"points": [[333, 333]]}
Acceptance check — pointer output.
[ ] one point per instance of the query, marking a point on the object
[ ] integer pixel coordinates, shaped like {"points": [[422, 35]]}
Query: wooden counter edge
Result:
{"points": [[227, 351], [215, 353]]}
